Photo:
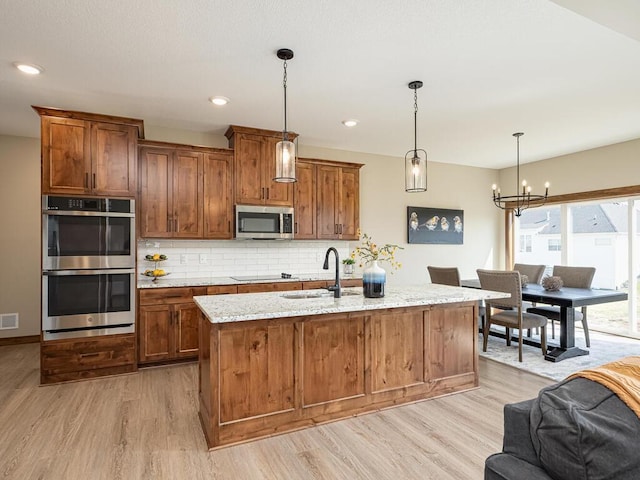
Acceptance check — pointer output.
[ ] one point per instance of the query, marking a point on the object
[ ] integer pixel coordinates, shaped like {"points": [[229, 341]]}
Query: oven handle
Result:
{"points": [[62, 273], [88, 214]]}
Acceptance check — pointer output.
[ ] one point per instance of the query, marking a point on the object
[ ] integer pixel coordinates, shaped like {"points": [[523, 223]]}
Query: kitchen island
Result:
{"points": [[281, 361]]}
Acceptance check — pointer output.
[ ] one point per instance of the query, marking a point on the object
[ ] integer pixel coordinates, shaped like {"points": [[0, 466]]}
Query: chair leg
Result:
{"points": [[485, 333], [528, 332], [508, 333], [543, 340], [520, 345], [553, 329], [586, 332]]}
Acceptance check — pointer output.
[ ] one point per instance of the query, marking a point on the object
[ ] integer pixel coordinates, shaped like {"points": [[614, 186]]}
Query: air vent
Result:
{"points": [[8, 321]]}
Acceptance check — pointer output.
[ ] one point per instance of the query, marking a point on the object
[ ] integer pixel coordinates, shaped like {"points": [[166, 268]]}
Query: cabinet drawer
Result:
{"points": [[221, 289], [351, 282], [269, 287], [60, 357], [316, 284], [155, 296]]}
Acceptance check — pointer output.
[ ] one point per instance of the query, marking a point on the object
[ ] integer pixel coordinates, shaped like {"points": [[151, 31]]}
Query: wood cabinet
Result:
{"points": [[255, 167], [82, 358], [88, 154], [344, 283], [327, 200], [185, 192], [168, 322], [269, 287]]}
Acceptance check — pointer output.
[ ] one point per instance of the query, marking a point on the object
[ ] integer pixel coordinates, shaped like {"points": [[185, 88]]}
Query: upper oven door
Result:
{"points": [[82, 240]]}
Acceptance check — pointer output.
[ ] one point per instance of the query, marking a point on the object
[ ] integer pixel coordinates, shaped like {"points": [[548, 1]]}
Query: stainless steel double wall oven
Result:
{"points": [[88, 266]]}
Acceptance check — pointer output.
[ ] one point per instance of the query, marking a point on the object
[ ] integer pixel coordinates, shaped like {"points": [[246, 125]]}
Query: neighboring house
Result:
{"points": [[598, 237]]}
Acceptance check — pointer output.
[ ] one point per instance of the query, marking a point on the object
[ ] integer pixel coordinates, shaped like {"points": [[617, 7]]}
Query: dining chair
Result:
{"points": [[444, 275], [534, 274], [513, 316], [572, 277]]}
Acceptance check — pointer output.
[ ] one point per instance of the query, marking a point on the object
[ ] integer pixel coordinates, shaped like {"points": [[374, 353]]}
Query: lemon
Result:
{"points": [[156, 256]]}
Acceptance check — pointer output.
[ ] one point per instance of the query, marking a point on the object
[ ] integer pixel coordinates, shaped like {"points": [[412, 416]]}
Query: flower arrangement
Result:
{"points": [[368, 251]]}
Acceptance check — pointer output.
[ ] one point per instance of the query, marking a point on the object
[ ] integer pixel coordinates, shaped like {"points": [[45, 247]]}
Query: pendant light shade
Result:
{"points": [[285, 149], [415, 160]]}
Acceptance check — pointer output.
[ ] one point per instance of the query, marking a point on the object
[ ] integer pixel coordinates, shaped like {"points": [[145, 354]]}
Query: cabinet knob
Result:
{"points": [[267, 193], [86, 180], [93, 183]]}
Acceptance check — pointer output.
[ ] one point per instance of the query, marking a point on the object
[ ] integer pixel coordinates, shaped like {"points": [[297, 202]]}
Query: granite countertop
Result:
{"points": [[169, 281], [260, 306]]}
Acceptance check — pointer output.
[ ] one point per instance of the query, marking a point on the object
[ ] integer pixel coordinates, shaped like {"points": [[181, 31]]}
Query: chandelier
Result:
{"points": [[519, 202]]}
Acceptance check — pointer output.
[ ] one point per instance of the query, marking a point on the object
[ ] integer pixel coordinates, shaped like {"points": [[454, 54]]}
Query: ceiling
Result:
{"points": [[564, 72]]}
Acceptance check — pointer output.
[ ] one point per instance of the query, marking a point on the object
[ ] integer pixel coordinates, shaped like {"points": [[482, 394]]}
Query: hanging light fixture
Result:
{"points": [[519, 202], [415, 161], [285, 149]]}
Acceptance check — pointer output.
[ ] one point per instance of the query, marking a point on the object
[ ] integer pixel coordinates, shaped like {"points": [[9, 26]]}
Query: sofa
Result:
{"points": [[575, 429]]}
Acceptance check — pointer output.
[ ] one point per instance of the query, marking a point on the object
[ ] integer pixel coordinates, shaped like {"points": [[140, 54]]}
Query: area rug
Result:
{"points": [[604, 348]]}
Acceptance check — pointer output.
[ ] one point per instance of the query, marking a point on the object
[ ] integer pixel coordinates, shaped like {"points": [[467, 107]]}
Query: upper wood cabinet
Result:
{"points": [[185, 192], [255, 167], [88, 154], [330, 191]]}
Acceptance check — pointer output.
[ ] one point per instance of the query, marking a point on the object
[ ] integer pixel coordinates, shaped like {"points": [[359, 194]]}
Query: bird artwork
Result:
{"points": [[457, 224], [413, 221], [444, 224], [432, 223]]}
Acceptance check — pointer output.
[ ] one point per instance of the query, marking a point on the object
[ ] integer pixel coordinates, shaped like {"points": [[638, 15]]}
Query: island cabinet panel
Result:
{"points": [[451, 345], [257, 380], [397, 350], [333, 360], [264, 377]]}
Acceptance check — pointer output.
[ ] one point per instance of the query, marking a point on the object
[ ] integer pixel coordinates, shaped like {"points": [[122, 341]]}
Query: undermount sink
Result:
{"points": [[300, 295]]}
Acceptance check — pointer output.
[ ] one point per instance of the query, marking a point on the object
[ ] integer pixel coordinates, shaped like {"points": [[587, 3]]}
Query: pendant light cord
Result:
{"points": [[285, 134], [415, 121]]}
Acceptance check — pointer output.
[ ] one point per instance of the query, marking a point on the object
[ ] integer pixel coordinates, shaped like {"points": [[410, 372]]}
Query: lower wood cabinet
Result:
{"points": [[344, 283], [82, 358]]}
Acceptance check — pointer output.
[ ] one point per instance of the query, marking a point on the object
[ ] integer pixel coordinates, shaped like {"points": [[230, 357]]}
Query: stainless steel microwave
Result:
{"points": [[264, 223]]}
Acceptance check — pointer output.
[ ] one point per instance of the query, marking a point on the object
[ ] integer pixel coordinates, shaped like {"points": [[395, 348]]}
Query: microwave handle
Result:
{"points": [[66, 273]]}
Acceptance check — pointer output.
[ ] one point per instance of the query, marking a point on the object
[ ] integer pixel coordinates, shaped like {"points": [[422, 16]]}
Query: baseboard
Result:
{"points": [[19, 340]]}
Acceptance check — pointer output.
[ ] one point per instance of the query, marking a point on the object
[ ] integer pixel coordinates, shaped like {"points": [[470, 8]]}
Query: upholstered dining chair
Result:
{"points": [[576, 277], [533, 272], [513, 316], [444, 275]]}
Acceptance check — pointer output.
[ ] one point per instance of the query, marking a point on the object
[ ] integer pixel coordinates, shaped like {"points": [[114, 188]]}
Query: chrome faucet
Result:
{"points": [[335, 288]]}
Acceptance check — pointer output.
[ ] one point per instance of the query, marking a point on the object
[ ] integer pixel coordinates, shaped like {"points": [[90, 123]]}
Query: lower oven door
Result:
{"points": [[79, 303]]}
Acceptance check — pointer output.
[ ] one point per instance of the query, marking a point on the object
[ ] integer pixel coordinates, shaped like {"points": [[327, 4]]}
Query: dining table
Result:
{"points": [[567, 299]]}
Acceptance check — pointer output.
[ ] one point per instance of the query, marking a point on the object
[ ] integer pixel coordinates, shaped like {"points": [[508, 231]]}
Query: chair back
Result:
{"points": [[444, 275], [533, 272], [576, 277], [502, 281]]}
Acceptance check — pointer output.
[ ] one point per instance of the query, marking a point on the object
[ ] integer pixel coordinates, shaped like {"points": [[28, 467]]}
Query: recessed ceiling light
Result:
{"points": [[219, 100], [28, 68], [350, 123]]}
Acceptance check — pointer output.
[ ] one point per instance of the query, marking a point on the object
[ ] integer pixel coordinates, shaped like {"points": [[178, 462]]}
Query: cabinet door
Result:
{"points": [[186, 330], [276, 193], [349, 203], [113, 159], [66, 157], [155, 200], [218, 201], [328, 194], [187, 194], [248, 169], [155, 322], [305, 201]]}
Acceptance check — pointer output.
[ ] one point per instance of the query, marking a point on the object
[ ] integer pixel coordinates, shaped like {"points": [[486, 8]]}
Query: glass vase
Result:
{"points": [[373, 279]]}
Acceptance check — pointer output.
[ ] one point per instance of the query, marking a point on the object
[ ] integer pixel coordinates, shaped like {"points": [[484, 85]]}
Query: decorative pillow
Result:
{"points": [[582, 430]]}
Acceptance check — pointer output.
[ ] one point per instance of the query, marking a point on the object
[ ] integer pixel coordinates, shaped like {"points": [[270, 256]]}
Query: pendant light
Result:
{"points": [[519, 202], [285, 149], [415, 161]]}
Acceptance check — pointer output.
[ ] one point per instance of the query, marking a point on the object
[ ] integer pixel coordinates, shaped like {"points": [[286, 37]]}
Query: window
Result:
{"points": [[525, 243], [554, 245]]}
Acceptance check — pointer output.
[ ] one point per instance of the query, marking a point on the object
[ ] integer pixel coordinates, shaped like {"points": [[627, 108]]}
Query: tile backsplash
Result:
{"points": [[224, 258]]}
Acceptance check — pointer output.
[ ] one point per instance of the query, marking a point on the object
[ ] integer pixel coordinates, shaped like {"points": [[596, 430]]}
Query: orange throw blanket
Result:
{"points": [[621, 377]]}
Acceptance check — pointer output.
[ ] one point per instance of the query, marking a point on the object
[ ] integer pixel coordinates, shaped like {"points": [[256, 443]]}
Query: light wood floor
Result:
{"points": [[145, 426]]}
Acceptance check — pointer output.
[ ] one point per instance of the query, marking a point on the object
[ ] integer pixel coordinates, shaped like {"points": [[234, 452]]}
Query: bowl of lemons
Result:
{"points": [[155, 272]]}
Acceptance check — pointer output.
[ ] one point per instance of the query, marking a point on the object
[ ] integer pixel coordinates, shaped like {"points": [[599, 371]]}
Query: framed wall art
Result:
{"points": [[435, 225]]}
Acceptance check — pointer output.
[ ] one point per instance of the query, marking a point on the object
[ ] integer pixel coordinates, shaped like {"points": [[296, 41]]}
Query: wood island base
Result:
{"points": [[265, 377]]}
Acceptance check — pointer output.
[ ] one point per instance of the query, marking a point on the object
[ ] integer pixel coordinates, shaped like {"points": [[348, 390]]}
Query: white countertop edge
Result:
{"points": [[271, 305], [169, 282]]}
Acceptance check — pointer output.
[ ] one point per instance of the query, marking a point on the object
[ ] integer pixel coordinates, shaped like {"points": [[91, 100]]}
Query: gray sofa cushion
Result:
{"points": [[582, 430]]}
